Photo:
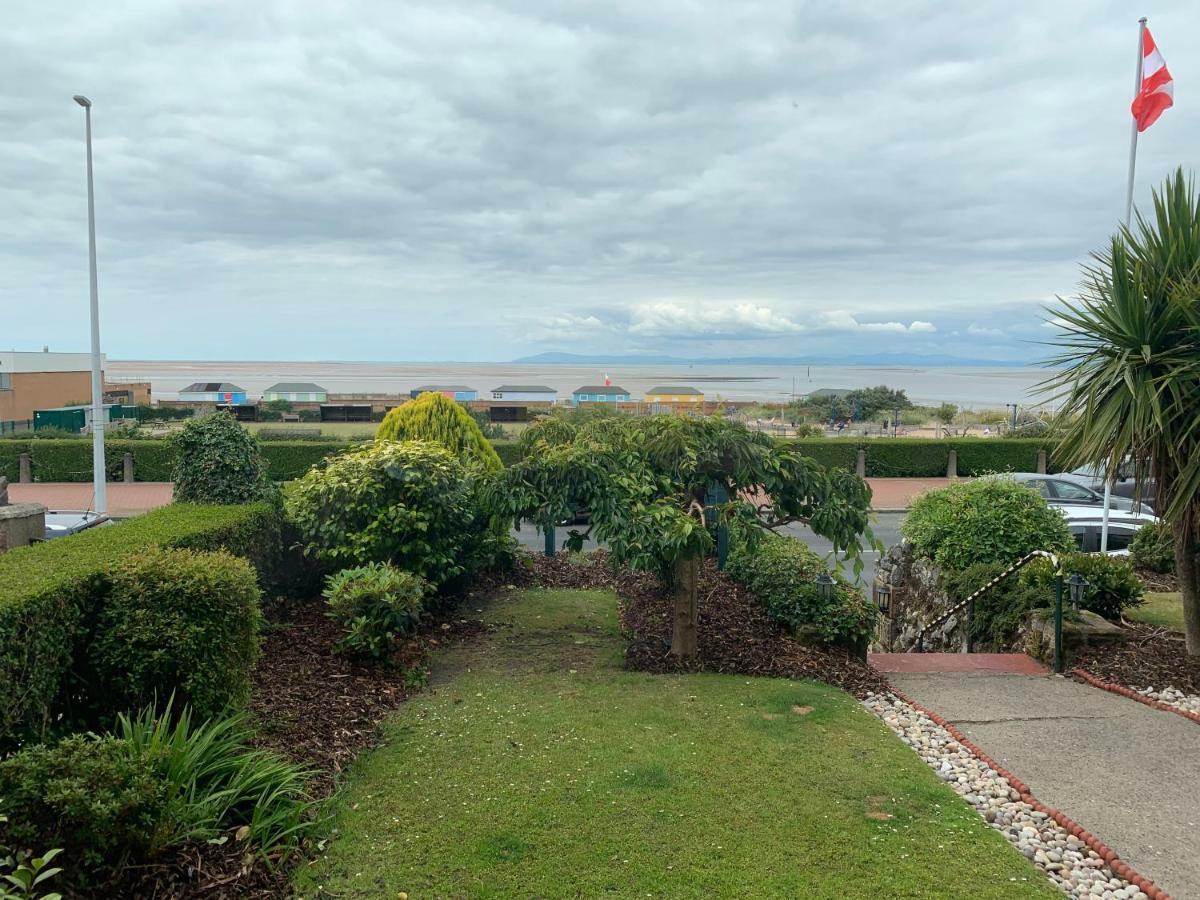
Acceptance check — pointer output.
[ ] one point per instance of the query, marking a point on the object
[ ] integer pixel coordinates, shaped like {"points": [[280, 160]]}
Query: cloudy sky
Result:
{"points": [[481, 181]]}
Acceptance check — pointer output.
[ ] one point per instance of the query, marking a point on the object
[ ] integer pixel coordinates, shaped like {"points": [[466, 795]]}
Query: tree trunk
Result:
{"points": [[1187, 567], [683, 634]]}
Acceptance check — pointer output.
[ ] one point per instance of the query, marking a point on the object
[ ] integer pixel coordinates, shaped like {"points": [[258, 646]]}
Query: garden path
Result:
{"points": [[1128, 773]]}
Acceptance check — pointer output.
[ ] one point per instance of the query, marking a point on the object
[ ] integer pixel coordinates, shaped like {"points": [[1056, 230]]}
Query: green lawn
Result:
{"points": [[1165, 609], [346, 430], [536, 767]]}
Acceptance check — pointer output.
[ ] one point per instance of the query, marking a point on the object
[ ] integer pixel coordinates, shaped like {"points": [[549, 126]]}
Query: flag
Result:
{"points": [[1158, 88], [607, 380]]}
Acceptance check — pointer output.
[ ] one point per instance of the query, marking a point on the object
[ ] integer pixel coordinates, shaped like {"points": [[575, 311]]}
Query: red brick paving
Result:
{"points": [[123, 499], [990, 663], [898, 493]]}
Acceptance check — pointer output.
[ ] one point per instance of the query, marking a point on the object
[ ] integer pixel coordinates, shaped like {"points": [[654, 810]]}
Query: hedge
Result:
{"points": [[49, 596], [70, 459]]}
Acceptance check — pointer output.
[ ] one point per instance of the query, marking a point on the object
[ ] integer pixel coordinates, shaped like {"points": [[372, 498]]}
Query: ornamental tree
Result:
{"points": [[657, 488], [435, 417]]}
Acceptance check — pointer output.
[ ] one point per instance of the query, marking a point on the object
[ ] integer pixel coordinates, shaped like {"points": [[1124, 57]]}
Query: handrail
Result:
{"points": [[919, 645]]}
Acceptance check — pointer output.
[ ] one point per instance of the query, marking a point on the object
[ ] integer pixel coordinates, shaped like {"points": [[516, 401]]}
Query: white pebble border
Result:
{"points": [[1174, 697], [1066, 860]]}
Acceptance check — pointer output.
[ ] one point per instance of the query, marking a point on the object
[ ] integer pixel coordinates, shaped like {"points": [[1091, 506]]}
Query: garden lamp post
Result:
{"points": [[99, 485], [1077, 585]]}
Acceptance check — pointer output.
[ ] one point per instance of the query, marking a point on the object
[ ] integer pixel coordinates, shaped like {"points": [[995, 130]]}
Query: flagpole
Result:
{"points": [[1133, 134]]}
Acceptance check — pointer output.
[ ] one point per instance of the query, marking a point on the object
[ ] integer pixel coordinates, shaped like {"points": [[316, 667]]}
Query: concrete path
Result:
{"points": [[1126, 772]]}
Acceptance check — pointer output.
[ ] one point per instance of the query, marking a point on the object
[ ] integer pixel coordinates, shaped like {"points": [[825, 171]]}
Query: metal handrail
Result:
{"points": [[969, 602]]}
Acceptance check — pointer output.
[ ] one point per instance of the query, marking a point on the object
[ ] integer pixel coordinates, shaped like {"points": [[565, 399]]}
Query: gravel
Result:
{"points": [[1174, 697], [1063, 857]]}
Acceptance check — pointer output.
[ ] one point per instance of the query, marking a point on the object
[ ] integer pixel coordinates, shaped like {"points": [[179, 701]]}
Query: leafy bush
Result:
{"points": [[309, 415], [510, 452], [1112, 587], [1153, 548], [440, 420], [376, 605], [407, 503], [177, 621], [1000, 612], [782, 572], [160, 781], [217, 461], [52, 592], [22, 874], [89, 795], [983, 521]]}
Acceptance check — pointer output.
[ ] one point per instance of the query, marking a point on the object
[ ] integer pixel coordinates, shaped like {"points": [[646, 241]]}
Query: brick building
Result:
{"points": [[30, 381]]}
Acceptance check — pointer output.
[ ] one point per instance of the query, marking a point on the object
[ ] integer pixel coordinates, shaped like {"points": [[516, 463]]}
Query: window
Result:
{"points": [[1042, 487], [1119, 538], [497, 395], [1068, 491], [5, 381]]}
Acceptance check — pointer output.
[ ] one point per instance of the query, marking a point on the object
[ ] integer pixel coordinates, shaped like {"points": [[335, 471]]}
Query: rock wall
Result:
{"points": [[917, 598]]}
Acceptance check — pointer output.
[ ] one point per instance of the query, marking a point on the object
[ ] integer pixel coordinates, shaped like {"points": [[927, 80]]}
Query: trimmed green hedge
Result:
{"points": [[50, 592], [70, 459]]}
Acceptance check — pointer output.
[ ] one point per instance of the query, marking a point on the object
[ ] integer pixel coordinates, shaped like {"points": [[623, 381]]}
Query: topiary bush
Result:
{"points": [[410, 503], [983, 521], [1113, 586], [782, 573], [176, 622], [437, 418], [217, 461], [1153, 548], [376, 605]]}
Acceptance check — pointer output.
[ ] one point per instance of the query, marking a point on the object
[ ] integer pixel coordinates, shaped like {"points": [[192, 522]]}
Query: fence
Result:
{"points": [[15, 426]]}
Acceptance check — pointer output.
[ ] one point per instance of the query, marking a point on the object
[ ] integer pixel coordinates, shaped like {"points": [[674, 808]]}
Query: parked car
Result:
{"points": [[1123, 486], [1086, 522], [1060, 491], [63, 522]]}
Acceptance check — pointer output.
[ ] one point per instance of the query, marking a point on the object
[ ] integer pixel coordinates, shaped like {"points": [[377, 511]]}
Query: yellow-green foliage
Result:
{"points": [[437, 418]]}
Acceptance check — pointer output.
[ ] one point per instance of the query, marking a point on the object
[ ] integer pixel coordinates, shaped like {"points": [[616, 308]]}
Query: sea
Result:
{"points": [[969, 388]]}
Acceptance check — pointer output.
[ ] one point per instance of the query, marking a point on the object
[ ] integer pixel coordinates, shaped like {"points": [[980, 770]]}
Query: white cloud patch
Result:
{"points": [[983, 331], [841, 320], [567, 327], [670, 318]]}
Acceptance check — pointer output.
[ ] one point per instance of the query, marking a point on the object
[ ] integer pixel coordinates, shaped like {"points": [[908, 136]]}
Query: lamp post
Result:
{"points": [[1077, 585], [98, 474], [825, 586]]}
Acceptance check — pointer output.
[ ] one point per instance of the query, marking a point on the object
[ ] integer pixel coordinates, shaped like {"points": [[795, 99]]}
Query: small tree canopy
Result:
{"points": [[435, 417]]}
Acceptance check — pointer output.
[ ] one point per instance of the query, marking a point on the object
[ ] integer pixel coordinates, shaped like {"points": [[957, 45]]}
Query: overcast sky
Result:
{"points": [[480, 181]]}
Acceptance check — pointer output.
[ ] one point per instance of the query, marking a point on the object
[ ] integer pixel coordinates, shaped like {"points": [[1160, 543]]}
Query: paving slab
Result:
{"points": [[1128, 773]]}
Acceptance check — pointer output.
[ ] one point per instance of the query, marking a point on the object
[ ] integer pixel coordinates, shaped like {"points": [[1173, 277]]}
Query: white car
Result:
{"points": [[1085, 523]]}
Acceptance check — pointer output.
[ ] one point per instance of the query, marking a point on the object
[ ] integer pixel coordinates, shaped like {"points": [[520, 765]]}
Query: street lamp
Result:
{"points": [[99, 485], [825, 586], [1077, 585]]}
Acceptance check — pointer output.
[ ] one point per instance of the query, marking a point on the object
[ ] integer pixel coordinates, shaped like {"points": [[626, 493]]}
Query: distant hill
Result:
{"points": [[874, 360]]}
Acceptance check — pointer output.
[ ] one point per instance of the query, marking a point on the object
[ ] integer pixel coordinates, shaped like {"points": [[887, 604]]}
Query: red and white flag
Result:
{"points": [[607, 380], [1158, 88]]}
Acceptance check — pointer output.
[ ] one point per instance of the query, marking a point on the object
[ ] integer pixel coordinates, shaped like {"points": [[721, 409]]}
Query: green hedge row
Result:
{"points": [[70, 459], [928, 457], [49, 596]]}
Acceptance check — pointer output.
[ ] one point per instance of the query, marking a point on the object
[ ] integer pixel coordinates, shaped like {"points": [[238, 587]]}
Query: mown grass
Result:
{"points": [[1163, 609], [536, 767]]}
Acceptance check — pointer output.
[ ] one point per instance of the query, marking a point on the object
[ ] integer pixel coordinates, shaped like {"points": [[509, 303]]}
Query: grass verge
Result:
{"points": [[537, 767], [1163, 609]]}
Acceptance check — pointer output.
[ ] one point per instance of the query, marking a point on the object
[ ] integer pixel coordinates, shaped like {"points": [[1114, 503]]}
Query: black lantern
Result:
{"points": [[825, 586], [1078, 584], [883, 598]]}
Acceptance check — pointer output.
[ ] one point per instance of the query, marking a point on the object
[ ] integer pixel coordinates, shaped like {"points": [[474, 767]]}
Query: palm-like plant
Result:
{"points": [[1130, 378]]}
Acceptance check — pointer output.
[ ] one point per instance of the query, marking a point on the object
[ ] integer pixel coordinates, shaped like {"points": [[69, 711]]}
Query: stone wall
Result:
{"points": [[917, 599]]}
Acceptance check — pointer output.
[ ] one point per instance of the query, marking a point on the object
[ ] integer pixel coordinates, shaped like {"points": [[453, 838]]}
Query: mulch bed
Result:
{"points": [[1159, 582], [734, 633], [1153, 657]]}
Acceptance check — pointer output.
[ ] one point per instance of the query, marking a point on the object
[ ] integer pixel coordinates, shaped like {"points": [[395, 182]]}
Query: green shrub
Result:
{"points": [[376, 605], [309, 415], [440, 420], [1000, 612], [217, 461], [907, 458], [782, 572], [832, 453], [90, 796], [162, 780], [408, 503], [1113, 586], [509, 451], [51, 592], [1153, 548], [983, 521], [288, 460], [176, 622], [24, 875]]}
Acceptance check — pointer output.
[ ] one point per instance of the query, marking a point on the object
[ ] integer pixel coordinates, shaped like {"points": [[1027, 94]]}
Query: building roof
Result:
{"points": [[212, 387], [443, 387], [667, 389], [600, 389], [525, 388], [295, 387]]}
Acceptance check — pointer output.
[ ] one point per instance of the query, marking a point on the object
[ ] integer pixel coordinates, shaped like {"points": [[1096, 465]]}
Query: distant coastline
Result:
{"points": [[902, 360]]}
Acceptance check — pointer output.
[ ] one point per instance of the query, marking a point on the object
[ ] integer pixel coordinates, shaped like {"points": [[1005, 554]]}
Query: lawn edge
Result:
{"points": [[1106, 853]]}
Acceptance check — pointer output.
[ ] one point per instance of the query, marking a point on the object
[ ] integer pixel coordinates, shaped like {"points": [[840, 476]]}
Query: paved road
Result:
{"points": [[886, 527], [1126, 772]]}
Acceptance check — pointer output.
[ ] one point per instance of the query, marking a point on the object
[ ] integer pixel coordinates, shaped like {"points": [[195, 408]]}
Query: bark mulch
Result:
{"points": [[734, 633], [1153, 657], [1161, 582]]}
